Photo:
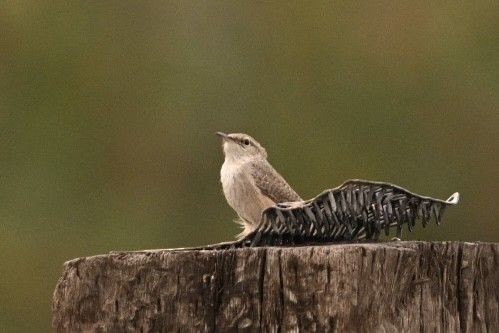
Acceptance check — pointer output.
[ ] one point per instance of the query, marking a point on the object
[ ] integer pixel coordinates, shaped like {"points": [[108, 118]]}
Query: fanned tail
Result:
{"points": [[356, 210]]}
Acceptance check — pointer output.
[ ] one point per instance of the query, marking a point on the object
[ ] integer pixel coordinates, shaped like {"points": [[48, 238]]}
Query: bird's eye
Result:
{"points": [[245, 142]]}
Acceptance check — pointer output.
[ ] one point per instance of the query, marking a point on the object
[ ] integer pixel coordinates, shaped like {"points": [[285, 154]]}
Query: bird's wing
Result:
{"points": [[356, 210], [272, 184]]}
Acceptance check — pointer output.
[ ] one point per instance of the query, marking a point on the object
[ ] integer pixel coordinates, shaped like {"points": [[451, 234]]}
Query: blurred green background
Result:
{"points": [[108, 113]]}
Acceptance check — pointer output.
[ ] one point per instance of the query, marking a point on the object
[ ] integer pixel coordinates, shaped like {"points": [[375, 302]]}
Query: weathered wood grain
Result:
{"points": [[371, 287]]}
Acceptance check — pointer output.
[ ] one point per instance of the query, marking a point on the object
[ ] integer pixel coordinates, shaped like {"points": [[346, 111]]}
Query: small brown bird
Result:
{"points": [[272, 213], [250, 184]]}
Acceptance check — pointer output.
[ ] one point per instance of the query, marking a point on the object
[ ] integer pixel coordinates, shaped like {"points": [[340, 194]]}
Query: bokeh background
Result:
{"points": [[108, 112]]}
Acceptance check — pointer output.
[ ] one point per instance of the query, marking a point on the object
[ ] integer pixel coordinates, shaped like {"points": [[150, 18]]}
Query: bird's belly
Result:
{"points": [[242, 194]]}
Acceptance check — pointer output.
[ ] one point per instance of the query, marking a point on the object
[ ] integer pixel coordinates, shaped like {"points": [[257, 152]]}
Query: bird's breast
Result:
{"points": [[241, 192], [234, 180]]}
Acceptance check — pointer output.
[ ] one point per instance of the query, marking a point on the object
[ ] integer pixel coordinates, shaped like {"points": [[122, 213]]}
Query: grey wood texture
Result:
{"points": [[365, 287]]}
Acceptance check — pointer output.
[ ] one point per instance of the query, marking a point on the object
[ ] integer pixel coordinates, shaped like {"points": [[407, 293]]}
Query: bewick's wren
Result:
{"points": [[250, 184]]}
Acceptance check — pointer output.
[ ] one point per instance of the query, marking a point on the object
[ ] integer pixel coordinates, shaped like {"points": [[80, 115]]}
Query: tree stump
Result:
{"points": [[363, 287]]}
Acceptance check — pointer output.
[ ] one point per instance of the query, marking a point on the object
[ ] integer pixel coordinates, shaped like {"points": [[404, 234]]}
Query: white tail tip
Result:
{"points": [[454, 199]]}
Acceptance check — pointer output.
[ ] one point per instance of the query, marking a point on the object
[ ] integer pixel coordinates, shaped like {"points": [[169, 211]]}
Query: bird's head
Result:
{"points": [[241, 147]]}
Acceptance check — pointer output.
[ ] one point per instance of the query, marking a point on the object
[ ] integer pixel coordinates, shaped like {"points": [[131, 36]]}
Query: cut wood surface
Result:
{"points": [[363, 287]]}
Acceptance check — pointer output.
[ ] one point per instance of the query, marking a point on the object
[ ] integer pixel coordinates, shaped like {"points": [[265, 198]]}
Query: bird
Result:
{"points": [[250, 183], [272, 213]]}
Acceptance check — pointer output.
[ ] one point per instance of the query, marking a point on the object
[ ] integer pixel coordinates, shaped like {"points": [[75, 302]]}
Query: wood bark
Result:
{"points": [[364, 287]]}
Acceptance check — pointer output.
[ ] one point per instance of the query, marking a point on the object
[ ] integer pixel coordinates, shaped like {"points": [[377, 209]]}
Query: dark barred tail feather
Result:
{"points": [[356, 210]]}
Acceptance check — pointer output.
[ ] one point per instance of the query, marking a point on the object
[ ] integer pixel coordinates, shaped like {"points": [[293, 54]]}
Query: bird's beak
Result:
{"points": [[223, 135]]}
